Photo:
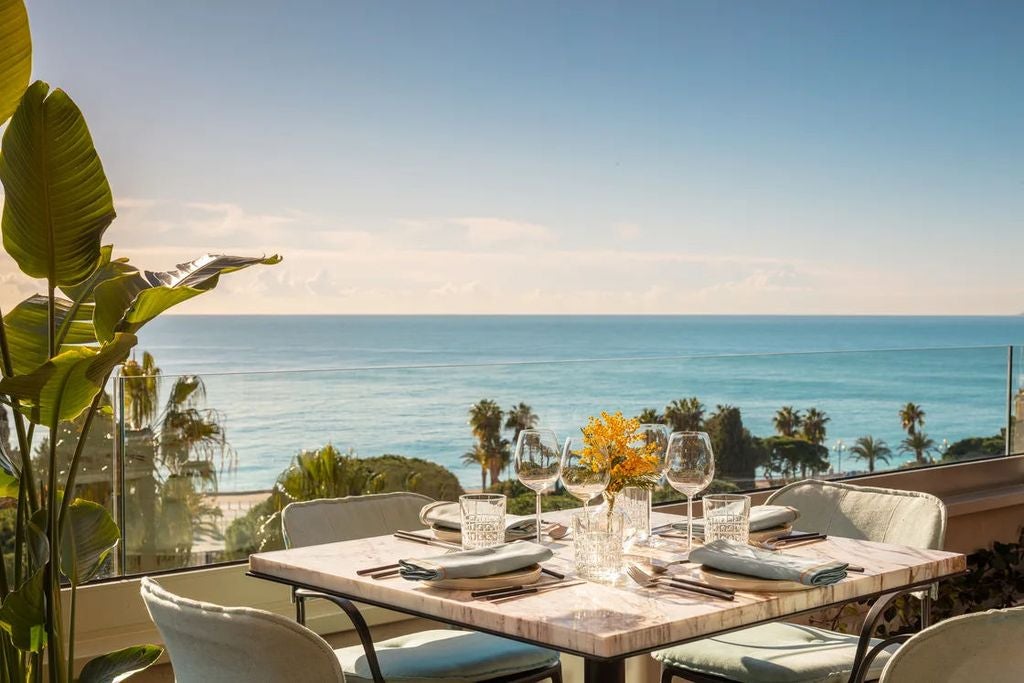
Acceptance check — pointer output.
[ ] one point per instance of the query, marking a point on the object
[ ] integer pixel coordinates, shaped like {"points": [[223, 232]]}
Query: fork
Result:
{"points": [[647, 581]]}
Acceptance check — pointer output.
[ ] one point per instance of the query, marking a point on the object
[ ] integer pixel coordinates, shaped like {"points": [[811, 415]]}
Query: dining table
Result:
{"points": [[603, 622]]}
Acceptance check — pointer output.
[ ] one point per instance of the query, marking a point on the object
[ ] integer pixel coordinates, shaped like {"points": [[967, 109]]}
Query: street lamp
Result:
{"points": [[839, 447], [943, 447]]}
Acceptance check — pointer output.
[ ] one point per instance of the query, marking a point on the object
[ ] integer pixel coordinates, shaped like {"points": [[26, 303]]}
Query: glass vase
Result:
{"points": [[597, 544], [635, 505]]}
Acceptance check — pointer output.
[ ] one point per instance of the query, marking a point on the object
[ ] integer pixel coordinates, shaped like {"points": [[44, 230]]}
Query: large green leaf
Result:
{"points": [[87, 540], [126, 303], [23, 614], [28, 323], [27, 329], [58, 202], [119, 665], [64, 386], [8, 485], [15, 55]]}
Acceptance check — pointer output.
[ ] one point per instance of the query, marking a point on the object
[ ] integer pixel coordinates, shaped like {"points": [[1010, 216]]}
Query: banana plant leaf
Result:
{"points": [[27, 327], [23, 614], [118, 665], [64, 386], [57, 200], [87, 540], [15, 55], [126, 303], [8, 485], [109, 268]]}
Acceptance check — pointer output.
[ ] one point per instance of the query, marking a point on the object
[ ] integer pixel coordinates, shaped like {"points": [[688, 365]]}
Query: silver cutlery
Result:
{"points": [[657, 566], [647, 581]]}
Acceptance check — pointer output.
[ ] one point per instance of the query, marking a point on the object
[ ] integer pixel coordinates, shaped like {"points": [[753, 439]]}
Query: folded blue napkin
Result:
{"points": [[739, 558], [447, 515], [471, 564], [761, 517]]}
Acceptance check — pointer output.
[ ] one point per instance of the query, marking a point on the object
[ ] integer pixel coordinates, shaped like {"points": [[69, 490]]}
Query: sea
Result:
{"points": [[404, 384]]}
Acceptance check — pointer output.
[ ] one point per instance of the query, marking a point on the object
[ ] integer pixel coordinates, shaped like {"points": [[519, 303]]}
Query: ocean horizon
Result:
{"points": [[403, 383]]}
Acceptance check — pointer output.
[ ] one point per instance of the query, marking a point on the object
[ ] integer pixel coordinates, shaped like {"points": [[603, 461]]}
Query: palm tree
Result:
{"points": [[911, 417], [520, 417], [685, 414], [485, 419], [814, 425], [787, 421], [478, 456], [141, 390], [871, 449], [920, 445], [650, 416]]}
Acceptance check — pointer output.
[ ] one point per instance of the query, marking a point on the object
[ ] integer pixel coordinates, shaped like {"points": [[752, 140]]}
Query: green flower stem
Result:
{"points": [[24, 441]]}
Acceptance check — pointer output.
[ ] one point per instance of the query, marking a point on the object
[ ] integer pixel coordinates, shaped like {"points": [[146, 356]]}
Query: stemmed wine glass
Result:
{"points": [[583, 478], [689, 468], [537, 462]]}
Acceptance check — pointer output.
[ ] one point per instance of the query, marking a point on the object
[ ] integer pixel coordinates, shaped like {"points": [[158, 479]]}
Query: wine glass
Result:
{"points": [[537, 462], [689, 468], [583, 478]]}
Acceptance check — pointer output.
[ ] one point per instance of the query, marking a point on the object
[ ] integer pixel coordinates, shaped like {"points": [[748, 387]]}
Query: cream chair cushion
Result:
{"points": [[449, 656], [866, 512], [208, 643], [773, 653], [975, 647], [346, 519]]}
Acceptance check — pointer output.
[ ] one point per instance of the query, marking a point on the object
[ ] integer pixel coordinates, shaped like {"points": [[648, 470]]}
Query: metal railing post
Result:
{"points": [[118, 486], [1009, 401]]}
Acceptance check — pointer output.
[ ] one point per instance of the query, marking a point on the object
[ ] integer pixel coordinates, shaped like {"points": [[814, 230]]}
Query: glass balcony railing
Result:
{"points": [[196, 468]]}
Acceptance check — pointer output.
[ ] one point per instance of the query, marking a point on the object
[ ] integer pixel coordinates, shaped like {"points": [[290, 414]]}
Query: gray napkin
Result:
{"points": [[761, 517], [471, 564], [739, 558], [447, 515]]}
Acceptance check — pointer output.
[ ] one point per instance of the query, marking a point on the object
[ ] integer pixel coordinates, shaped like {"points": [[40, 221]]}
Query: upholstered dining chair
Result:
{"points": [[428, 656], [208, 643], [780, 652], [973, 647]]}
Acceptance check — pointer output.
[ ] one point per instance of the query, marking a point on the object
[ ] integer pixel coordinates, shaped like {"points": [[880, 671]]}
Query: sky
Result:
{"points": [[792, 157]]}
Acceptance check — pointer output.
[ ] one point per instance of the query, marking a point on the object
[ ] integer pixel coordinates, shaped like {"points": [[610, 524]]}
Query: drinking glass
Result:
{"points": [[597, 544], [583, 479], [483, 520], [689, 468], [537, 462], [727, 516]]}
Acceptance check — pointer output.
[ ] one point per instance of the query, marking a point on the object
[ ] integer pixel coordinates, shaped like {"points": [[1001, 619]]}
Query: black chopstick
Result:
{"points": [[531, 590], [385, 574], [698, 584], [374, 570], [552, 572], [711, 592], [496, 591]]}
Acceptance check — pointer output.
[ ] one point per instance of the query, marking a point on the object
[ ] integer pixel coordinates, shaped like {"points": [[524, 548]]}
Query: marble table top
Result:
{"points": [[597, 620]]}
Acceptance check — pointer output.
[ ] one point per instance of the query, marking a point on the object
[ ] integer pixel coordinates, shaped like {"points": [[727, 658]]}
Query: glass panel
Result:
{"points": [[212, 460]]}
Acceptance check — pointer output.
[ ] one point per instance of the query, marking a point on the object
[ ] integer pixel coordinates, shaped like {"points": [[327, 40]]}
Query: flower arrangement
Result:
{"points": [[611, 440]]}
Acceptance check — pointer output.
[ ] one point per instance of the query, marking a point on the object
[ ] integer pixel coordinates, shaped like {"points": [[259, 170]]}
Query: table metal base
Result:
{"points": [[607, 671]]}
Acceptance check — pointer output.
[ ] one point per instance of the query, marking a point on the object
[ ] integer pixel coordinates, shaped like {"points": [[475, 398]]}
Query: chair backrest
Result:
{"points": [[866, 512], [212, 644], [345, 519], [975, 647]]}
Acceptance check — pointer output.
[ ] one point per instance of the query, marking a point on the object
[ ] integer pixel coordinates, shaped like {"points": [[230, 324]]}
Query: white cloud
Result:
{"points": [[489, 231]]}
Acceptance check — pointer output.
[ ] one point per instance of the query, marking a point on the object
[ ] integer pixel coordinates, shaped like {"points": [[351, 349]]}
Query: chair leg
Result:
{"points": [[666, 675]]}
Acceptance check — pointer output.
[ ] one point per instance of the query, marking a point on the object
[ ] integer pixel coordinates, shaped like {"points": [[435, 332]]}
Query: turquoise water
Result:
{"points": [[403, 384]]}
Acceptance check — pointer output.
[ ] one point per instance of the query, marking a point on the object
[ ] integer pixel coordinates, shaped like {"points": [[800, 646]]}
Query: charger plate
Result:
{"points": [[520, 577], [740, 582], [447, 535]]}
